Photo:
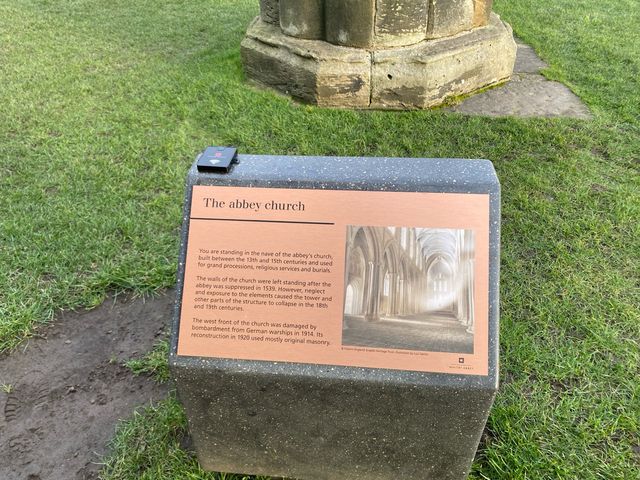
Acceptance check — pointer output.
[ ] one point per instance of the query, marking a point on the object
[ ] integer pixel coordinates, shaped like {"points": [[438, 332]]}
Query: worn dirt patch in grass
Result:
{"points": [[64, 392]]}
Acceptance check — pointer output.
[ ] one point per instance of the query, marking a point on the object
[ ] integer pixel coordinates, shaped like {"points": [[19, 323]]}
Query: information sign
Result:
{"points": [[395, 280]]}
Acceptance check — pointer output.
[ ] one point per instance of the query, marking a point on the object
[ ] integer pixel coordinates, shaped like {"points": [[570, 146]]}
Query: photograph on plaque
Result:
{"points": [[409, 288]]}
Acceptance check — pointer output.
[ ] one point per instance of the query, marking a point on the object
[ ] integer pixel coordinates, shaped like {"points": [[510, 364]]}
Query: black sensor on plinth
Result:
{"points": [[217, 159]]}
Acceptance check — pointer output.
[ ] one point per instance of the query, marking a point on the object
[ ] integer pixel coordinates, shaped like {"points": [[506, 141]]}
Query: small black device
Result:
{"points": [[217, 159]]}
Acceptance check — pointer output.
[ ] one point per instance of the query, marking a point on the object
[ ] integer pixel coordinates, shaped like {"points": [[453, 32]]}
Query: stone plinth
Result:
{"points": [[322, 421], [386, 54]]}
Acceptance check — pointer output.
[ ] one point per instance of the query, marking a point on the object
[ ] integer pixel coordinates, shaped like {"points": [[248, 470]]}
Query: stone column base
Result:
{"points": [[416, 76]]}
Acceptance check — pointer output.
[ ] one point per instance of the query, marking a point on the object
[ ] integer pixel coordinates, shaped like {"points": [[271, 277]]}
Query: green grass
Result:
{"points": [[103, 106], [151, 445], [153, 363]]}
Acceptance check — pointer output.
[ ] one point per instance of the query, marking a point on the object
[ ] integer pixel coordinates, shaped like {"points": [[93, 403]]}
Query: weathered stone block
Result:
{"points": [[426, 74], [417, 76], [302, 18], [314, 72], [350, 22], [400, 22], [378, 53], [449, 17], [482, 12], [270, 11], [375, 23]]}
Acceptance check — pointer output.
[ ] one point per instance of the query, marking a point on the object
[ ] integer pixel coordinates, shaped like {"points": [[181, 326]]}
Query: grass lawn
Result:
{"points": [[103, 106]]}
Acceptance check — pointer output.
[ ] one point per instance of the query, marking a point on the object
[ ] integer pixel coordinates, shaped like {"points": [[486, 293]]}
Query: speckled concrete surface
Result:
{"points": [[324, 422]]}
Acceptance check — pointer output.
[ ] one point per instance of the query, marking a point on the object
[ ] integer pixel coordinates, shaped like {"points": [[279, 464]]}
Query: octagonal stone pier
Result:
{"points": [[383, 54]]}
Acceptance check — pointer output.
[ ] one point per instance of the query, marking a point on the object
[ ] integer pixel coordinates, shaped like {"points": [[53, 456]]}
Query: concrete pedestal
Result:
{"points": [[316, 422], [320, 422]]}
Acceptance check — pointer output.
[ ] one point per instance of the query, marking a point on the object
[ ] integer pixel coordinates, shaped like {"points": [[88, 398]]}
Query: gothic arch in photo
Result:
{"points": [[404, 273]]}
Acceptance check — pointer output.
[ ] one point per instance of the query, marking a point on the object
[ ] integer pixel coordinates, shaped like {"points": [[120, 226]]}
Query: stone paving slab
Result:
{"points": [[527, 94]]}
